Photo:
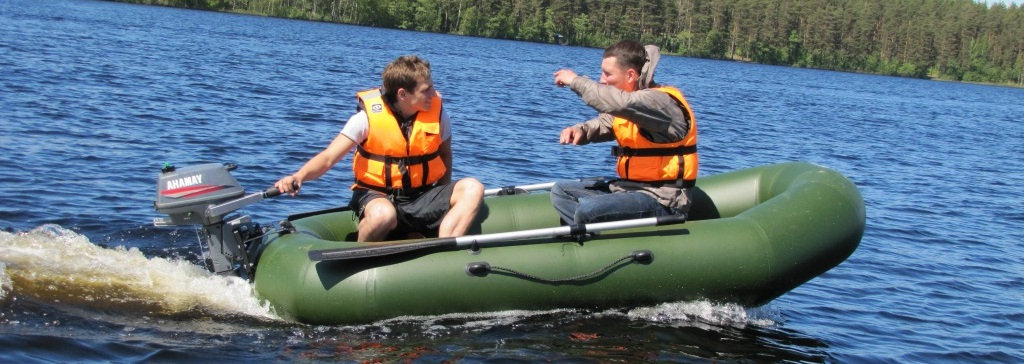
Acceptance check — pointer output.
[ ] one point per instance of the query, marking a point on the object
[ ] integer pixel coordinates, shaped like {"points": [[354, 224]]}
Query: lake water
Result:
{"points": [[95, 97]]}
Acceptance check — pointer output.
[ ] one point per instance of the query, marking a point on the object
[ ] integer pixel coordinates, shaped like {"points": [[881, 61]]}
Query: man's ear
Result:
{"points": [[401, 94], [633, 75], [633, 79]]}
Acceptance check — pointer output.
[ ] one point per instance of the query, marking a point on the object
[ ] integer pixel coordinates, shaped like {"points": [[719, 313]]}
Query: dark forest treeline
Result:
{"points": [[948, 39]]}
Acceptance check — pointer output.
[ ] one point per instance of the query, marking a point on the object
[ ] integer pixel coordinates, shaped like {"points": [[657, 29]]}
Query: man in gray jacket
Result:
{"points": [[656, 134]]}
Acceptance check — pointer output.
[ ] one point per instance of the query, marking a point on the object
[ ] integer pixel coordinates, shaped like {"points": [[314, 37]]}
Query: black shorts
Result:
{"points": [[420, 213]]}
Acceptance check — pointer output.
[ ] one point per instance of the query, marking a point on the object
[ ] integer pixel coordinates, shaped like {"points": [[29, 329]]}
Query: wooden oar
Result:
{"points": [[482, 239]]}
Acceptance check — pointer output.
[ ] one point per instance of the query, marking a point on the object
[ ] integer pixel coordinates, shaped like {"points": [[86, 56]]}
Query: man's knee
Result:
{"points": [[558, 188], [561, 189], [467, 190], [380, 212], [469, 187]]}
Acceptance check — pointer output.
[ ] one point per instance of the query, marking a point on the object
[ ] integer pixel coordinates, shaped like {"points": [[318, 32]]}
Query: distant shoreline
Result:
{"points": [[991, 56]]}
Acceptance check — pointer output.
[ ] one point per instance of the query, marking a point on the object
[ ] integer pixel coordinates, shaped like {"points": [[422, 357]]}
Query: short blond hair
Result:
{"points": [[404, 72]]}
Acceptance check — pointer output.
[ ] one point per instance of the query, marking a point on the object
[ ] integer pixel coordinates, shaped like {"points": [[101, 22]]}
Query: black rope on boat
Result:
{"points": [[481, 269]]}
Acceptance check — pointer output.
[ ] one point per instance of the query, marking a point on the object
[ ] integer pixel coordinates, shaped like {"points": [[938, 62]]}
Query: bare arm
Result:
{"points": [[318, 165]]}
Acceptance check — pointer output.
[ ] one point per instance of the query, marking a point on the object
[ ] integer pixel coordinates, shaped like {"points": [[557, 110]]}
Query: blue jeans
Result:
{"points": [[580, 202]]}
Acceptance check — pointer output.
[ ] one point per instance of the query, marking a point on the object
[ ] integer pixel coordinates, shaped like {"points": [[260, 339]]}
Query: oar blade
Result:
{"points": [[370, 251]]}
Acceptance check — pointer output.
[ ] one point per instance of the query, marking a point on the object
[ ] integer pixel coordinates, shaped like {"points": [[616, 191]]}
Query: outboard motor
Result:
{"points": [[203, 195]]}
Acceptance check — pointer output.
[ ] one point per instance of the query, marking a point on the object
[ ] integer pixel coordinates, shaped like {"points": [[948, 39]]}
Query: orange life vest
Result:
{"points": [[390, 163], [640, 159]]}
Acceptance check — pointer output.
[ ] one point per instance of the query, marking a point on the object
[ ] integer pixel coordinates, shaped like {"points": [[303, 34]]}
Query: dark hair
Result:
{"points": [[404, 72], [628, 54]]}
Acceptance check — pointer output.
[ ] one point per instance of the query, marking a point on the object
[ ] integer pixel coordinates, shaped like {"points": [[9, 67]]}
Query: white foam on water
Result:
{"points": [[471, 321], [5, 281], [56, 265], [702, 314]]}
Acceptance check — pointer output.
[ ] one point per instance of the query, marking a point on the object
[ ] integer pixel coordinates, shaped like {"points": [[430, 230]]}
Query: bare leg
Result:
{"points": [[467, 196], [379, 218]]}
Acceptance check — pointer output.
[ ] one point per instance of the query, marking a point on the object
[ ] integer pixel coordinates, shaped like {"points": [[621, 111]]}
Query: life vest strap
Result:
{"points": [[420, 159], [403, 166], [652, 152]]}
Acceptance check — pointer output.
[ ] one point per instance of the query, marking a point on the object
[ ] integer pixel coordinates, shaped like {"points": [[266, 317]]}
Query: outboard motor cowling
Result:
{"points": [[203, 195], [185, 193]]}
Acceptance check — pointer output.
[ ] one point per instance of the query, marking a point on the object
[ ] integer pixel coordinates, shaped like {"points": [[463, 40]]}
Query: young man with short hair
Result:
{"points": [[403, 158]]}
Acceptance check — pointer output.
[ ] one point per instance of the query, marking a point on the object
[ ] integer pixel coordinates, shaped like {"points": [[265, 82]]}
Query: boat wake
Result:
{"points": [[704, 315], [53, 265], [5, 281]]}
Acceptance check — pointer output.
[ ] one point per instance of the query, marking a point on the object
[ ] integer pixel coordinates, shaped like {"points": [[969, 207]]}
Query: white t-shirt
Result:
{"points": [[357, 127]]}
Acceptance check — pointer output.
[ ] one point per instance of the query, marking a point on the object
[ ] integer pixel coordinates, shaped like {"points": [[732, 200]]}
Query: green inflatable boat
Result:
{"points": [[751, 236]]}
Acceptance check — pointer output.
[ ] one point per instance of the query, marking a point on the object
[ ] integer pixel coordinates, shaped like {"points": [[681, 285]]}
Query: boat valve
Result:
{"points": [[478, 269], [643, 256]]}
